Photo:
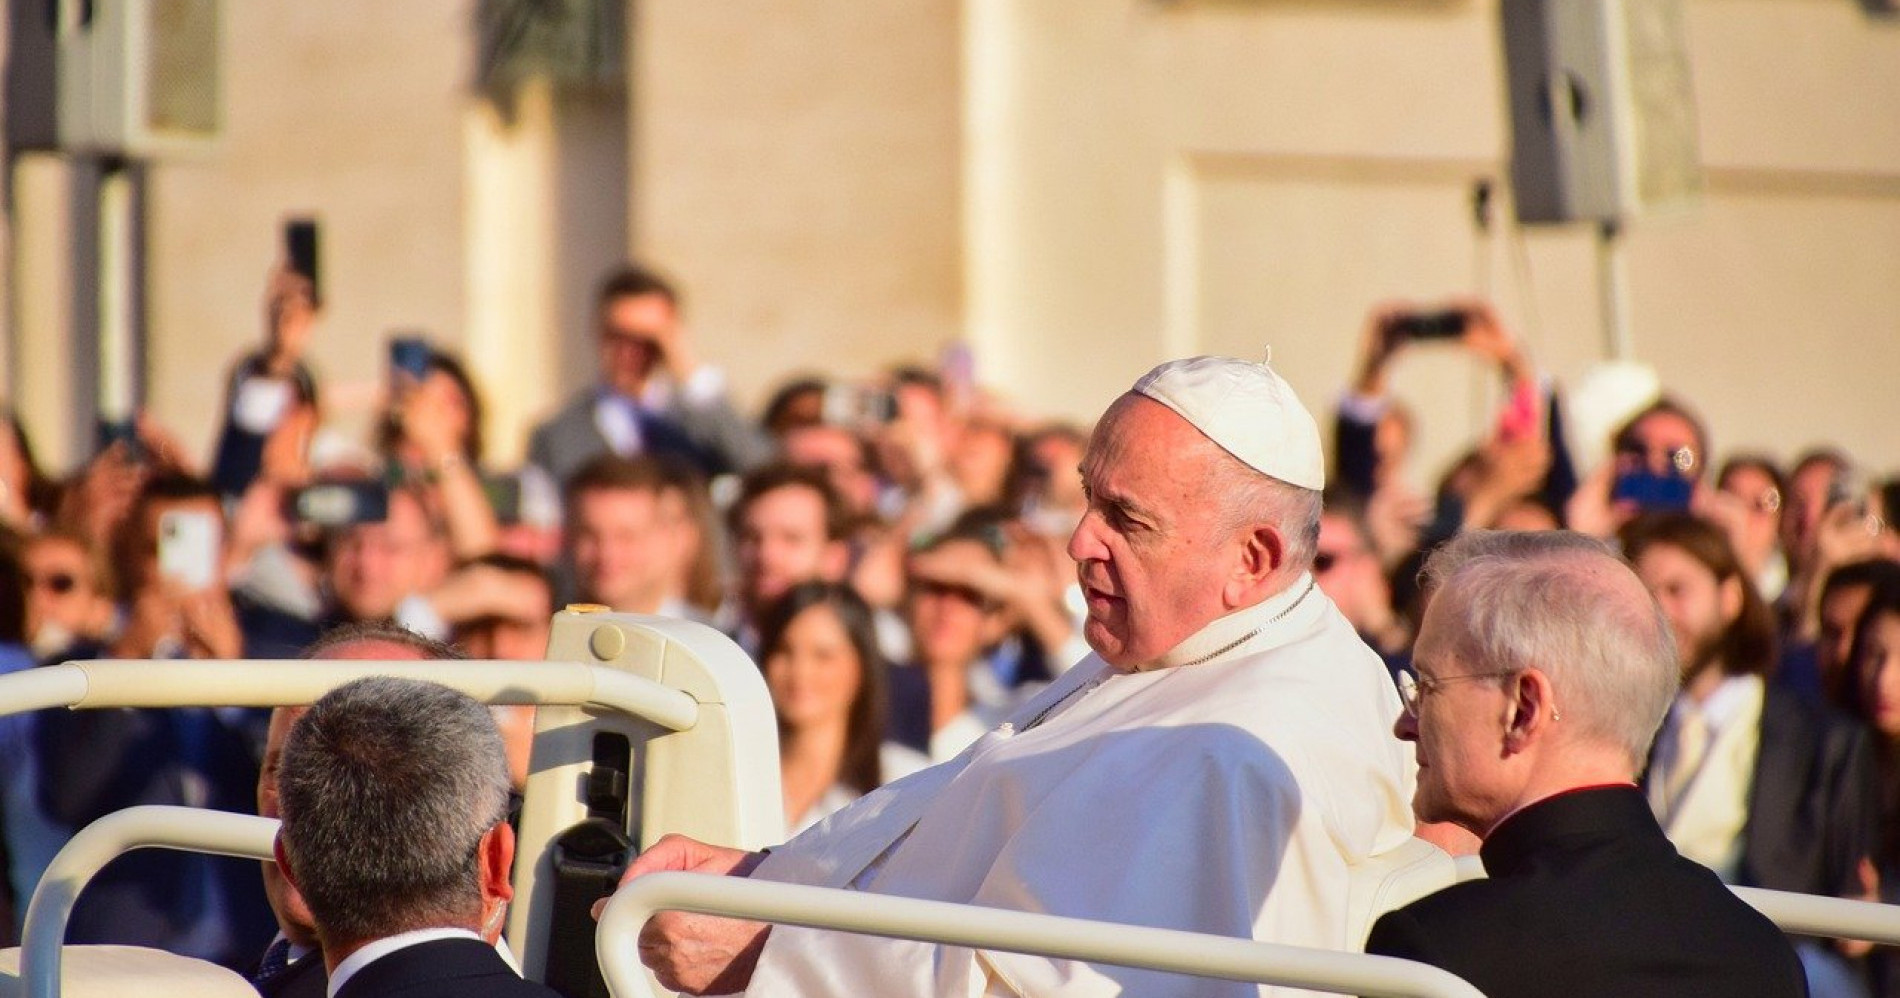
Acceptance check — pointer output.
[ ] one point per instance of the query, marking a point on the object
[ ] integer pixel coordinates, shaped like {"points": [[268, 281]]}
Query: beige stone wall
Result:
{"points": [[1078, 187], [1154, 179], [351, 110], [796, 167]]}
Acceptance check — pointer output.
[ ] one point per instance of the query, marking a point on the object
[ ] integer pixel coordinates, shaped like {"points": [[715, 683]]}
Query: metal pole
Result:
{"points": [[1613, 292], [118, 298]]}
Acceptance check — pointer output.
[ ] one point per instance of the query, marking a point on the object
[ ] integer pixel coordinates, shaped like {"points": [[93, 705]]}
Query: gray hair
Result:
{"points": [[386, 788], [1247, 497], [1570, 606], [382, 631]]}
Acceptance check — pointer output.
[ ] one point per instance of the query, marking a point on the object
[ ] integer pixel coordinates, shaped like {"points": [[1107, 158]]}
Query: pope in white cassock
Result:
{"points": [[1220, 764]]}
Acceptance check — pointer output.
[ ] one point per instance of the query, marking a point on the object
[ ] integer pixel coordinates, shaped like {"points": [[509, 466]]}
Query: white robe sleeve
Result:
{"points": [[1207, 835]]}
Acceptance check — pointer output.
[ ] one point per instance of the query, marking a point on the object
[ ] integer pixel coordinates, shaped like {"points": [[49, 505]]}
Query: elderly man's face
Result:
{"points": [[1150, 552], [1459, 726]]}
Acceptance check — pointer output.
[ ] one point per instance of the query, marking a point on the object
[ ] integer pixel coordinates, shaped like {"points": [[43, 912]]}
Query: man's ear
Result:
{"points": [[283, 861], [496, 855], [1262, 552], [1533, 708]]}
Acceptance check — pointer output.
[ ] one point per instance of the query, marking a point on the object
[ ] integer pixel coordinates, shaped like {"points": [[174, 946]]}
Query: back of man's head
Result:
{"points": [[1565, 604], [387, 787]]}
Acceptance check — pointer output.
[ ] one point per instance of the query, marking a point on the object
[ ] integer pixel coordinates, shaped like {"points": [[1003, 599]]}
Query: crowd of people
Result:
{"points": [[897, 556]]}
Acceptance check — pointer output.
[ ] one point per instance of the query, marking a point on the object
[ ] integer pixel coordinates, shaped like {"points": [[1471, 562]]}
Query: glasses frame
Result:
{"points": [[1413, 688]]}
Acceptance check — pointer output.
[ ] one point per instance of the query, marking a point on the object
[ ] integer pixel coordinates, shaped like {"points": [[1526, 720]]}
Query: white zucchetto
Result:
{"points": [[1248, 410]]}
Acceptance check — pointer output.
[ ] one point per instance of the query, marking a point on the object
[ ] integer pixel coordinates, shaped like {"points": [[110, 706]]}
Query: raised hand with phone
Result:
{"points": [[431, 438], [171, 554], [1520, 457]]}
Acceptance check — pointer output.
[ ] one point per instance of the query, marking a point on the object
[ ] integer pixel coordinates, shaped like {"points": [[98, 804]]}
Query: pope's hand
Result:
{"points": [[697, 954]]}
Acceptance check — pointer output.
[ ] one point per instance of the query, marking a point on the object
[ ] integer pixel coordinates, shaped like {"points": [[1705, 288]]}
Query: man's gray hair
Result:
{"points": [[386, 788], [1570, 606], [383, 631], [1247, 497]]}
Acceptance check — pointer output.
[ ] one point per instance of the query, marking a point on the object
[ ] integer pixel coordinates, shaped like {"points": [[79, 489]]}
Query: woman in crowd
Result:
{"points": [[432, 436], [819, 653], [1874, 667]]}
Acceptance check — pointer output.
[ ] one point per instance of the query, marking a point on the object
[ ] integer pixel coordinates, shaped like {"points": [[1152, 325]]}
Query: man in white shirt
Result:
{"points": [[401, 902], [1220, 764]]}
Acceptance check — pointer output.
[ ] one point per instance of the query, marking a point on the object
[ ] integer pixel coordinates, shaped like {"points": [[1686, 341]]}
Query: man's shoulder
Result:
{"points": [[444, 967], [304, 979], [576, 412]]}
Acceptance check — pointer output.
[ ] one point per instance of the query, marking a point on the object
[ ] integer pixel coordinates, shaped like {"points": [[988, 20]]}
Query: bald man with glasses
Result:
{"points": [[1543, 670]]}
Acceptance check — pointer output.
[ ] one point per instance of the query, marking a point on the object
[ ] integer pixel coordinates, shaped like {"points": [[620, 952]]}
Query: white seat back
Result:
{"points": [[717, 780], [1394, 879], [129, 972]]}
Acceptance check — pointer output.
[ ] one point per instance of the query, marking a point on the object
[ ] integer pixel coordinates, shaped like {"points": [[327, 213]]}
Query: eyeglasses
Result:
{"points": [[1324, 561], [1682, 459], [60, 583], [1412, 689]]}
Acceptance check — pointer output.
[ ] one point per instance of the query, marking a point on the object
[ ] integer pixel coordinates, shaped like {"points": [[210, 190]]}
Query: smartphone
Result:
{"points": [[1652, 492], [504, 497], [856, 405], [259, 404], [188, 548], [1846, 487], [126, 432], [409, 354], [300, 248], [1518, 420], [1445, 324], [333, 505]]}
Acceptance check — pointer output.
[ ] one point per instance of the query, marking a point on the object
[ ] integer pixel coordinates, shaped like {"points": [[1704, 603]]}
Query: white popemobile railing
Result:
{"points": [[149, 826], [1102, 942], [274, 683], [691, 713], [999, 929], [851, 911]]}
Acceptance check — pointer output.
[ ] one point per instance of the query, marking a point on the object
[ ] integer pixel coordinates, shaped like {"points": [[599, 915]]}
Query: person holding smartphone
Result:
{"points": [[170, 555], [268, 386], [654, 396], [430, 439]]}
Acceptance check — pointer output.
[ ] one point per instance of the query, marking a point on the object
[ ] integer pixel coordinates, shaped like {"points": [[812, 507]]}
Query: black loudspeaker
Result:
{"points": [[1603, 123], [32, 91]]}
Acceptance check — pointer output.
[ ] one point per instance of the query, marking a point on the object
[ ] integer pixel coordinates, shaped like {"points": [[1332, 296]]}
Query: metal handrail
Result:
{"points": [[146, 826], [1831, 918], [276, 683], [941, 922]]}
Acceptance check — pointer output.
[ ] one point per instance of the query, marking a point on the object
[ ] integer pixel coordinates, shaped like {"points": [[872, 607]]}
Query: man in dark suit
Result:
{"points": [[654, 396], [1543, 670], [410, 902]]}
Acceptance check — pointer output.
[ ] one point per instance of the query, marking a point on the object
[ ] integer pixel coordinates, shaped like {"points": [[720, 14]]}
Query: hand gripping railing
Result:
{"points": [[998, 929], [147, 826], [276, 683]]}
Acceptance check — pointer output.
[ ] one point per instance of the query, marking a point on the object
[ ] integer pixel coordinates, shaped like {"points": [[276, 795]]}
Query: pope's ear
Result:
{"points": [[1263, 550]]}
